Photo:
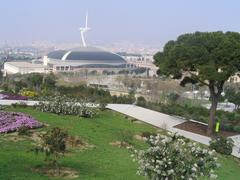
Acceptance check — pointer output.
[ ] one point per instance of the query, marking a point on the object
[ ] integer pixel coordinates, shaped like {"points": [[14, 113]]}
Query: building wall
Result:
{"points": [[31, 70], [13, 69], [8, 68]]}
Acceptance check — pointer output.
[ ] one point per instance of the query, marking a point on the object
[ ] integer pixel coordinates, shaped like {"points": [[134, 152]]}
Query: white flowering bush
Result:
{"points": [[174, 157], [66, 106]]}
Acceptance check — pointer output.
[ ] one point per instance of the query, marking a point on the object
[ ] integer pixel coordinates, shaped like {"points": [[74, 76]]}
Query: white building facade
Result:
{"points": [[24, 68]]}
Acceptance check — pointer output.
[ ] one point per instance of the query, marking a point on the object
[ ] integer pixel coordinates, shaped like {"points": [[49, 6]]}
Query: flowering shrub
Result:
{"points": [[174, 157], [222, 145], [28, 93], [12, 96], [11, 121], [66, 106]]}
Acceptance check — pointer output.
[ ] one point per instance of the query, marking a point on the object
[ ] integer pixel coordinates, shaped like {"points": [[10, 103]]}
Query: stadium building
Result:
{"points": [[83, 58]]}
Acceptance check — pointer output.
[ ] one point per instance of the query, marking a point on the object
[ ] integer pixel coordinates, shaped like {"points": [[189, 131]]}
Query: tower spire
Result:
{"points": [[83, 30]]}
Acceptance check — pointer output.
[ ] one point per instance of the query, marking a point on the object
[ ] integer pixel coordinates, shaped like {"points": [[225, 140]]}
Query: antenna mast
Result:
{"points": [[84, 30]]}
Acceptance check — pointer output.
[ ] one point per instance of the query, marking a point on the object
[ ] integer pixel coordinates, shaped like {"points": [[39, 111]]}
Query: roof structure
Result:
{"points": [[90, 54], [24, 64]]}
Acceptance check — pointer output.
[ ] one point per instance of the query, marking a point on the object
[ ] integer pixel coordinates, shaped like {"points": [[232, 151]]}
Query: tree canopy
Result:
{"points": [[203, 58], [215, 56]]}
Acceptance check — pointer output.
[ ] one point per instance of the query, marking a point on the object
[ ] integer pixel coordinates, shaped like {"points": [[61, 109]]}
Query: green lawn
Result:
{"points": [[104, 162]]}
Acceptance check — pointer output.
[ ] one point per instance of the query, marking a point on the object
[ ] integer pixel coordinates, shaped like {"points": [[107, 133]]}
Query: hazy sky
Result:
{"points": [[138, 21]]}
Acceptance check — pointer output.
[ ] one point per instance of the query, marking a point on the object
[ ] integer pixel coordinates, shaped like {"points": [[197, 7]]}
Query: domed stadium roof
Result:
{"points": [[90, 54]]}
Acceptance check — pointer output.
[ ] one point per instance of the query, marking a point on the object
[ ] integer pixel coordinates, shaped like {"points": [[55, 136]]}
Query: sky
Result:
{"points": [[150, 22]]}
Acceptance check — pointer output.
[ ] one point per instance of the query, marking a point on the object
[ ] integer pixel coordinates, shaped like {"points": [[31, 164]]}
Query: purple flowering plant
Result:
{"points": [[9, 96], [11, 121]]}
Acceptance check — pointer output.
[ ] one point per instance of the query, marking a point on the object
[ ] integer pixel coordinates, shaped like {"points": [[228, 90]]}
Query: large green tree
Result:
{"points": [[203, 58]]}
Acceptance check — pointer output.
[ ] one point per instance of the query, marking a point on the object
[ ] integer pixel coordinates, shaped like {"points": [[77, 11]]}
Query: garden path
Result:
{"points": [[10, 102]]}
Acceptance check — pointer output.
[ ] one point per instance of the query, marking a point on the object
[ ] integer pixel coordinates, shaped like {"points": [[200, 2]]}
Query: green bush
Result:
{"points": [[203, 118], [227, 127], [237, 128], [173, 97], [222, 145], [102, 104], [237, 117], [141, 101], [83, 91], [230, 116]]}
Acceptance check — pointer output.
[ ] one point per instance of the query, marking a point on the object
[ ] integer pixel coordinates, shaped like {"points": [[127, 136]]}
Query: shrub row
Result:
{"points": [[66, 106]]}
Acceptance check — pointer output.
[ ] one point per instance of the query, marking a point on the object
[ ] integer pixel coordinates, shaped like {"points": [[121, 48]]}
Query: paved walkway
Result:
{"points": [[152, 117], [10, 102], [168, 122]]}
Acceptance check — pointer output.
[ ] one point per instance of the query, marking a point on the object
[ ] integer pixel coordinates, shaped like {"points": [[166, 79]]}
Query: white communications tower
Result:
{"points": [[84, 29]]}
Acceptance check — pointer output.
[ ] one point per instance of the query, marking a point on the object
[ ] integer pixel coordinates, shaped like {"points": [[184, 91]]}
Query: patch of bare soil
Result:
{"points": [[63, 172], [201, 129], [13, 137], [120, 144], [45, 124], [75, 142], [36, 135], [140, 137]]}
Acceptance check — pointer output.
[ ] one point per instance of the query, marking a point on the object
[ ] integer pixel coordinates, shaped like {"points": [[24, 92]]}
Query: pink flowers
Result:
{"points": [[11, 121]]}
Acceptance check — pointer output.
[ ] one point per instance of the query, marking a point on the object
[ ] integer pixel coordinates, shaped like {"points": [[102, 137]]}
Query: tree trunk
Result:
{"points": [[212, 119], [214, 96]]}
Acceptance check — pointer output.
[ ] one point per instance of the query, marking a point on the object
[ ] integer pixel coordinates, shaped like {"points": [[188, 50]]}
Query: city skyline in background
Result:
{"points": [[121, 23]]}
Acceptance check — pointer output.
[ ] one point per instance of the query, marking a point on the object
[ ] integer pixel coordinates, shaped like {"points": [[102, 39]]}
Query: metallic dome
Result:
{"points": [[90, 54]]}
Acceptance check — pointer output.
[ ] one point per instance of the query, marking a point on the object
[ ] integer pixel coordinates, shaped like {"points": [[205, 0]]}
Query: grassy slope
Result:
{"points": [[104, 162]]}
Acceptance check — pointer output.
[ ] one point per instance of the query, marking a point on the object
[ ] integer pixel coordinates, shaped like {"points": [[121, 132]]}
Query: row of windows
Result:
{"points": [[69, 68], [64, 68]]}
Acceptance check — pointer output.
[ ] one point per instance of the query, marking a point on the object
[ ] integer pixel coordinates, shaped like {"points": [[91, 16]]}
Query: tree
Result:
{"points": [[53, 145], [35, 80], [203, 58], [49, 82], [18, 85]]}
